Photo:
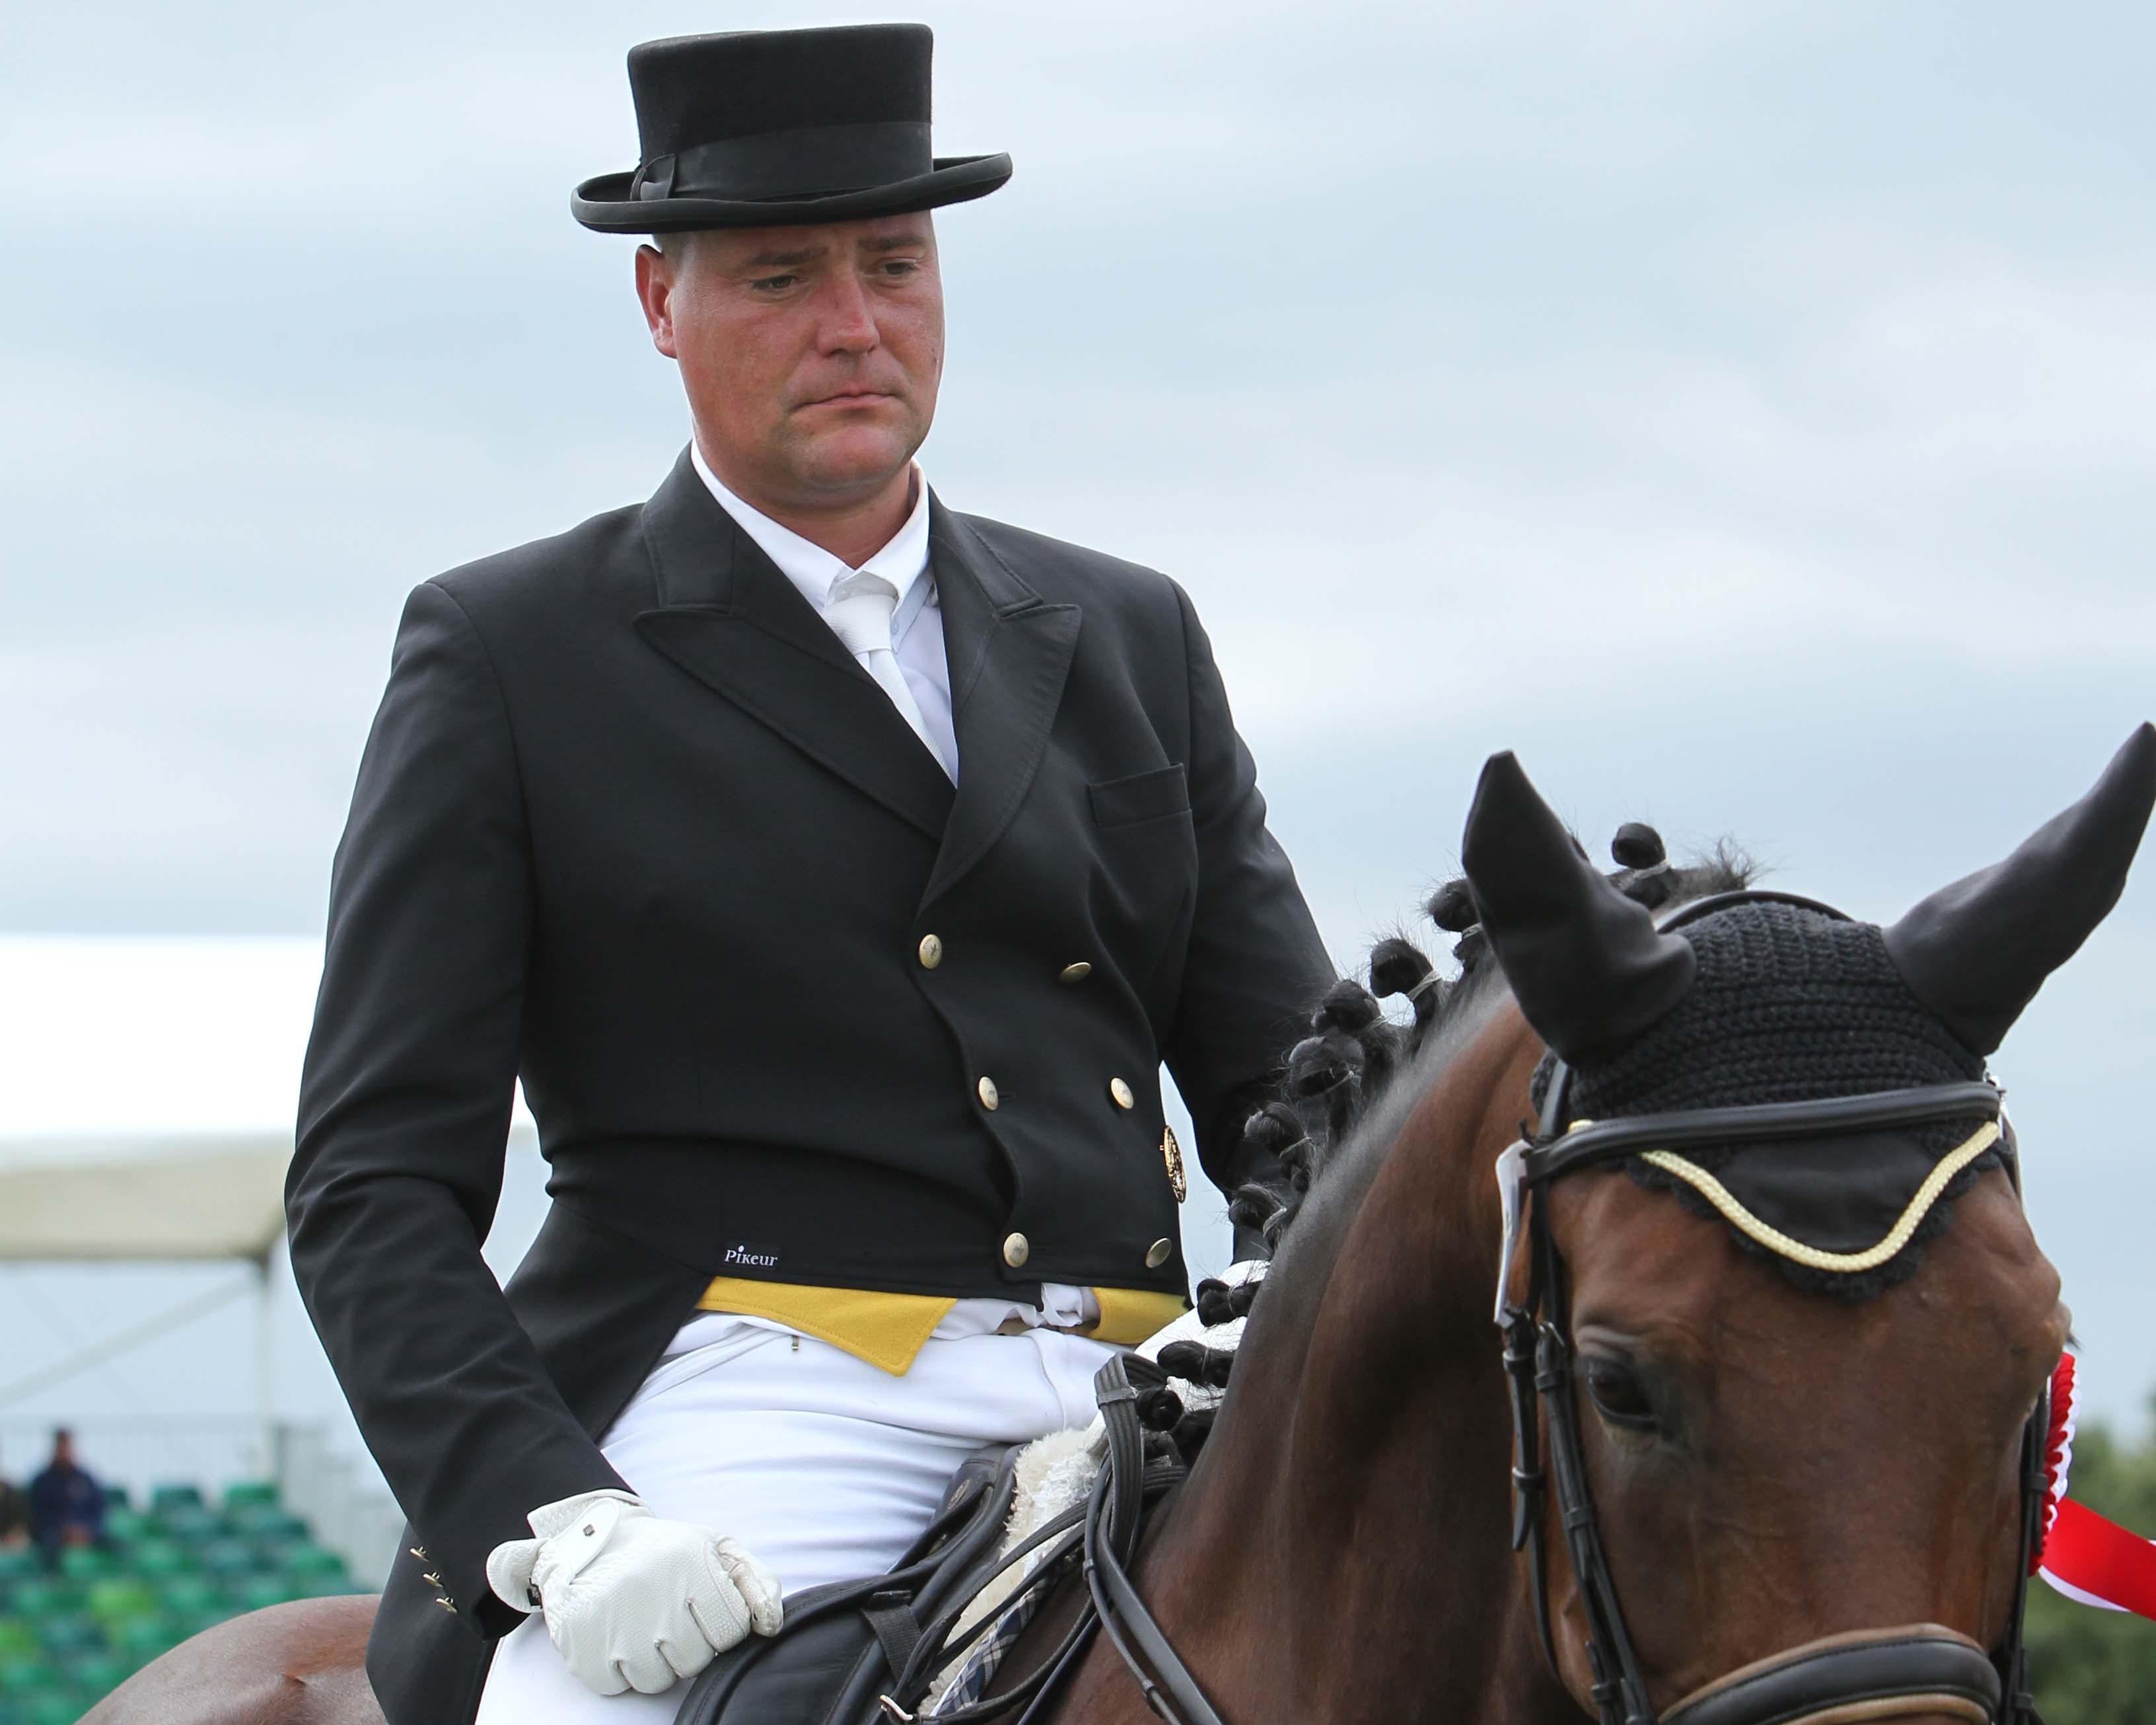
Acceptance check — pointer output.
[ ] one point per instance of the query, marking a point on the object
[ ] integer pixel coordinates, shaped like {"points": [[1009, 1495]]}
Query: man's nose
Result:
{"points": [[848, 324]]}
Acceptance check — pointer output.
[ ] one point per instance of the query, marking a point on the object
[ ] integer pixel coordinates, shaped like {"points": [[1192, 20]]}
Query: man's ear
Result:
{"points": [[655, 292]]}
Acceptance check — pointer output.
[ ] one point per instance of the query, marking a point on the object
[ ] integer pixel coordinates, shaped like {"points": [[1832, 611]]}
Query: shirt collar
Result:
{"points": [[902, 561]]}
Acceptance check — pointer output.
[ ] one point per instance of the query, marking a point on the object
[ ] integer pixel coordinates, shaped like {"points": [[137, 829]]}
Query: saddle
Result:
{"points": [[845, 1643], [865, 1652]]}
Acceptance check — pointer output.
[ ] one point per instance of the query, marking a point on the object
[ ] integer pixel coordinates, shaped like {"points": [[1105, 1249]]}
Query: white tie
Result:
{"points": [[860, 614]]}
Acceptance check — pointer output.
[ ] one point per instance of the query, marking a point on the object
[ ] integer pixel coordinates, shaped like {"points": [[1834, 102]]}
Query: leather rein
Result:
{"points": [[1869, 1674]]}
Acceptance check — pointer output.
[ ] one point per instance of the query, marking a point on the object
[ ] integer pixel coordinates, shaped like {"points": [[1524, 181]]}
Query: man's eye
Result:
{"points": [[773, 283], [902, 266]]}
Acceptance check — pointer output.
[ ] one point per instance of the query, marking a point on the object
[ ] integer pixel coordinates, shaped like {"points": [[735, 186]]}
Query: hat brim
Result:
{"points": [[604, 205]]}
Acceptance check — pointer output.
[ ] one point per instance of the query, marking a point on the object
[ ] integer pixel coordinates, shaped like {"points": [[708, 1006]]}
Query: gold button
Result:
{"points": [[448, 1604], [1157, 1254], [1171, 1152], [1076, 972], [1125, 1096], [1017, 1249], [932, 952], [986, 1089]]}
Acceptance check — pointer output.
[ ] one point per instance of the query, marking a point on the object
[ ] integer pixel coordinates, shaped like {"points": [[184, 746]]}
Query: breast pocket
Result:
{"points": [[1143, 796]]}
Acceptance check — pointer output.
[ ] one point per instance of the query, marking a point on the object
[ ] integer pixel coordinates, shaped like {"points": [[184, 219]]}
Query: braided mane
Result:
{"points": [[1354, 1056]]}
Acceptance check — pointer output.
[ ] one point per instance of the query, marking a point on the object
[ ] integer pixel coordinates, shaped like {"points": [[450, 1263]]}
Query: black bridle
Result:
{"points": [[1923, 1667], [1927, 1668]]}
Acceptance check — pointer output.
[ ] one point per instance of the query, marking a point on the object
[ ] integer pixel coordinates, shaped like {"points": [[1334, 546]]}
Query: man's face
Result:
{"points": [[63, 1450], [811, 355]]}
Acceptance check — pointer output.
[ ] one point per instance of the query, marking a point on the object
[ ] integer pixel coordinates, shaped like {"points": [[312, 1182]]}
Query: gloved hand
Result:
{"points": [[633, 1602]]}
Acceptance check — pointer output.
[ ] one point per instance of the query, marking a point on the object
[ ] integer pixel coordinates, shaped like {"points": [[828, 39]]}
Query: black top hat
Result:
{"points": [[766, 128]]}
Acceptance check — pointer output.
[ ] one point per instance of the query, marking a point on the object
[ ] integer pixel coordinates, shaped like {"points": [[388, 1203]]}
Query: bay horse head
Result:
{"points": [[1778, 1332]]}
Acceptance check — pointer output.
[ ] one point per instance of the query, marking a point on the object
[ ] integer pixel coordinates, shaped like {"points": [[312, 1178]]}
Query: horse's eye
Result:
{"points": [[1618, 1395]]}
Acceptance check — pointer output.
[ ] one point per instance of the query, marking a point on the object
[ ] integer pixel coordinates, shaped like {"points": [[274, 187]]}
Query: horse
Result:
{"points": [[1705, 1469]]}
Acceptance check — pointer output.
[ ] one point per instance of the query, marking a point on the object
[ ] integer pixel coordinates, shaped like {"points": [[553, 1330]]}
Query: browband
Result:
{"points": [[1602, 1139]]}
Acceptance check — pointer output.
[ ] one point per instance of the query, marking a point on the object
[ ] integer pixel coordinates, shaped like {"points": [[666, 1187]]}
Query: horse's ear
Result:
{"points": [[1975, 953], [1587, 965]]}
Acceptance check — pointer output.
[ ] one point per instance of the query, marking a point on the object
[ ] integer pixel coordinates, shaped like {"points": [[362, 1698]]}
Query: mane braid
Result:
{"points": [[1354, 1056]]}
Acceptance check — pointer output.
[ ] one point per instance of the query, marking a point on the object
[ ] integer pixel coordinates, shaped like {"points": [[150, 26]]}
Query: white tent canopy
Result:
{"points": [[147, 1090]]}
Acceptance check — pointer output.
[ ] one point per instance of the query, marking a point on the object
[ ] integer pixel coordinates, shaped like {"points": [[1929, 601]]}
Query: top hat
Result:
{"points": [[768, 128]]}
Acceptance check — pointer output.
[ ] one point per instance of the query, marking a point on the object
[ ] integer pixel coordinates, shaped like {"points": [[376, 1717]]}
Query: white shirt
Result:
{"points": [[916, 626], [916, 638]]}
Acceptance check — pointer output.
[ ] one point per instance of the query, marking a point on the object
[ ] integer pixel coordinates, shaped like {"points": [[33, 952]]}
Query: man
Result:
{"points": [[836, 870], [14, 1516], [67, 1504]]}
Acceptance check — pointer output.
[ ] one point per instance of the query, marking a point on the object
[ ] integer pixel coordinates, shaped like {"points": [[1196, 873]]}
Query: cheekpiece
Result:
{"points": [[773, 128]]}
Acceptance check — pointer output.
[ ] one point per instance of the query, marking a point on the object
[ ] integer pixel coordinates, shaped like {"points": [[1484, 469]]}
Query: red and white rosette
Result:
{"points": [[2082, 1554]]}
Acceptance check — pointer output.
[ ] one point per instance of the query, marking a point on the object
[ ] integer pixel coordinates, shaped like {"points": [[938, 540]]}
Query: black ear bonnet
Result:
{"points": [[1763, 1002], [1792, 1005]]}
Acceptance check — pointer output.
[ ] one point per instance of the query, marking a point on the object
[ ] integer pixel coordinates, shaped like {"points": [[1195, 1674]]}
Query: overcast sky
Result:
{"points": [[1744, 411]]}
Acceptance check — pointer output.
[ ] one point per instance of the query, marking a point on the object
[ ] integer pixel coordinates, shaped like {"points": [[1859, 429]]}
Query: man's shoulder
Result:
{"points": [[1061, 571], [600, 555]]}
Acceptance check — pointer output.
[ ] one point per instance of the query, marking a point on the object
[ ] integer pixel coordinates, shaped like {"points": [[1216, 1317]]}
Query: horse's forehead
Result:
{"points": [[1641, 1261]]}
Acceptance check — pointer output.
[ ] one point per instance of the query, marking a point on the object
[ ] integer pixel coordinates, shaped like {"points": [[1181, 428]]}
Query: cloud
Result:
{"points": [[1741, 410]]}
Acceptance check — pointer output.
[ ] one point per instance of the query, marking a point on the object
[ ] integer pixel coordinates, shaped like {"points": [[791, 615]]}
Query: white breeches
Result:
{"points": [[826, 1467]]}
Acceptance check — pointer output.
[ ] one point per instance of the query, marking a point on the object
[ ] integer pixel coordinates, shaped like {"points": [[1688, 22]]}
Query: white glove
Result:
{"points": [[631, 1601]]}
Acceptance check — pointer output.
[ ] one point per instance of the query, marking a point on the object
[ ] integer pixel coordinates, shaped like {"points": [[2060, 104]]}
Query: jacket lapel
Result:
{"points": [[730, 618], [1009, 653]]}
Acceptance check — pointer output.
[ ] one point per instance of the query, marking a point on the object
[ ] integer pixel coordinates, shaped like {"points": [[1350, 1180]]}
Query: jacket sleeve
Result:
{"points": [[1255, 967], [404, 1109]]}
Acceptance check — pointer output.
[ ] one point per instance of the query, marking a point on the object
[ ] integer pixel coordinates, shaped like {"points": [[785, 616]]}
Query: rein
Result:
{"points": [[1866, 1674], [1915, 1668]]}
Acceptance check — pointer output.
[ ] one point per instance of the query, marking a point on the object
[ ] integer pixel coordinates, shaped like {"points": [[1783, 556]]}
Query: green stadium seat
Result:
{"points": [[174, 1495], [229, 1557], [19, 1562], [89, 1562], [265, 1521], [250, 1494], [77, 1632], [23, 1678], [186, 1595], [257, 1591], [123, 1596], [154, 1558], [142, 1639], [100, 1673], [128, 1525], [193, 1623], [47, 1599], [55, 1706], [17, 1641], [191, 1523], [115, 1498], [310, 1559]]}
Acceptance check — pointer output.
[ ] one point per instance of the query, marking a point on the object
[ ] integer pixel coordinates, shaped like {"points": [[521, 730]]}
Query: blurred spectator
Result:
{"points": [[14, 1516], [67, 1505]]}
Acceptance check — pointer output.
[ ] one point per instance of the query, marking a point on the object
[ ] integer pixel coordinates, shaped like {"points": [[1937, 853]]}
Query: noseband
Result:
{"points": [[1921, 1668]]}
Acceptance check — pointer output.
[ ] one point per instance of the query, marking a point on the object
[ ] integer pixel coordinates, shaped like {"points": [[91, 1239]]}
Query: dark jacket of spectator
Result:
{"points": [[65, 1499]]}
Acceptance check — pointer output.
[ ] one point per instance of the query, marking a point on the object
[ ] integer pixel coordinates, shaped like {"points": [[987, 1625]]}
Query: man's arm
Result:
{"points": [[404, 1110], [1256, 968]]}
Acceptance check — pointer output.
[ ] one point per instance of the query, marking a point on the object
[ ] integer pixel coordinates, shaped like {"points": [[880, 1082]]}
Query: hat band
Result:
{"points": [[811, 161]]}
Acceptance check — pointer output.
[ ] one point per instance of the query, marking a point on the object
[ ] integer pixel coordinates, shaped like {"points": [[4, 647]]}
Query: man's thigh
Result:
{"points": [[825, 1466]]}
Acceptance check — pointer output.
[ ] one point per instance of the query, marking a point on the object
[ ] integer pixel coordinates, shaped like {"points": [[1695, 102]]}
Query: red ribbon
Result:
{"points": [[2082, 1554]]}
